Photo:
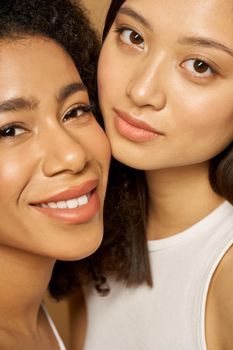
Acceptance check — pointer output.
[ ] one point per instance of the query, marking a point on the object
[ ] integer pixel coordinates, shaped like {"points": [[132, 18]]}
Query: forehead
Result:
{"points": [[219, 6], [29, 47], [36, 70], [34, 61], [209, 17]]}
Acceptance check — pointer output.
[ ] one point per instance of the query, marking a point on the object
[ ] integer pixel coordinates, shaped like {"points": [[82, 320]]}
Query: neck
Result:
{"points": [[178, 198], [24, 279]]}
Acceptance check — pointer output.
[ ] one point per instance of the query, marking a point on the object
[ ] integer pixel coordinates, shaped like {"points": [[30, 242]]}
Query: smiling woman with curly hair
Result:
{"points": [[54, 159]]}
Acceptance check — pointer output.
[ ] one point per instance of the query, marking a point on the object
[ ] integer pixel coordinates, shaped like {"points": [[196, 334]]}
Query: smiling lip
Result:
{"points": [[133, 129], [72, 192], [78, 215]]}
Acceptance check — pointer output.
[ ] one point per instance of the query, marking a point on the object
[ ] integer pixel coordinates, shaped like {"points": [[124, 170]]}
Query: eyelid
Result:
{"points": [[13, 126], [120, 29], [201, 76], [86, 107], [213, 65]]}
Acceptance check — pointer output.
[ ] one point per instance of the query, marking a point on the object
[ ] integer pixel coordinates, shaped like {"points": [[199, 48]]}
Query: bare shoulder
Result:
{"points": [[220, 301], [224, 278]]}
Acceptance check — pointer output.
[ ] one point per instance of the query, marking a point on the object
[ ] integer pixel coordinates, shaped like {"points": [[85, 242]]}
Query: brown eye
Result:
{"points": [[200, 66], [130, 37], [136, 38]]}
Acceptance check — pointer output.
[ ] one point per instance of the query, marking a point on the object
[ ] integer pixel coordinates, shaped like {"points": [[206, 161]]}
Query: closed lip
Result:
{"points": [[135, 122], [72, 192]]}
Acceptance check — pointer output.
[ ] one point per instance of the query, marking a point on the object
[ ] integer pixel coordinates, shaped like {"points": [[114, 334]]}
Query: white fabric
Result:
{"points": [[171, 315], [55, 332]]}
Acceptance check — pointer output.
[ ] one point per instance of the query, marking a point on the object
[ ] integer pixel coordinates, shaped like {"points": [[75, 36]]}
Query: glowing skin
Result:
{"points": [[149, 70], [50, 145]]}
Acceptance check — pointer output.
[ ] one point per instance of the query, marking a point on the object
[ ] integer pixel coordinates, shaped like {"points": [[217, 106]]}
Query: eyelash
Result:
{"points": [[11, 127], [201, 75], [121, 30], [86, 109]]}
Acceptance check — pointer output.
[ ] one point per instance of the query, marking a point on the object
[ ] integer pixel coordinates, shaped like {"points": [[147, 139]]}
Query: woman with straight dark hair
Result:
{"points": [[165, 82]]}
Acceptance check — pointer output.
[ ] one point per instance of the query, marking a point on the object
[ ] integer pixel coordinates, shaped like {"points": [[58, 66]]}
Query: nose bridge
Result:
{"points": [[146, 86], [60, 151]]}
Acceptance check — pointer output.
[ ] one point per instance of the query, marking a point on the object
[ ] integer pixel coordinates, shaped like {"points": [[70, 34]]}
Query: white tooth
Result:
{"points": [[72, 203], [44, 206], [52, 205], [61, 205], [83, 200]]}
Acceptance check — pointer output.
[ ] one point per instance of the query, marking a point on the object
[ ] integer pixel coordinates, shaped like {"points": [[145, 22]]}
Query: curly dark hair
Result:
{"points": [[123, 252], [63, 21]]}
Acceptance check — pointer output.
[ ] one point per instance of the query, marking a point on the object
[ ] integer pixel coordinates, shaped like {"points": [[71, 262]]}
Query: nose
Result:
{"points": [[62, 152], [146, 86]]}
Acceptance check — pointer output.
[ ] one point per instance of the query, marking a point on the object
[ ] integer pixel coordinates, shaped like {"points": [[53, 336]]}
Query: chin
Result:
{"points": [[129, 160], [82, 250]]}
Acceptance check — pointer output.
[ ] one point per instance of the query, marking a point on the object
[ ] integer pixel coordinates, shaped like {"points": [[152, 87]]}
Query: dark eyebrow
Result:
{"points": [[23, 103], [136, 16], [18, 103], [70, 90], [206, 42]]}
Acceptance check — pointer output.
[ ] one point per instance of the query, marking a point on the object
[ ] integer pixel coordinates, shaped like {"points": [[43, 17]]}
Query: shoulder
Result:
{"points": [[224, 278], [221, 299]]}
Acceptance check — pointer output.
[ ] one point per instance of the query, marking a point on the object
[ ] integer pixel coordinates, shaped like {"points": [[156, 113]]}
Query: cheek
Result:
{"points": [[102, 150], [16, 172], [110, 73], [13, 174], [97, 144], [206, 112], [102, 71], [209, 127]]}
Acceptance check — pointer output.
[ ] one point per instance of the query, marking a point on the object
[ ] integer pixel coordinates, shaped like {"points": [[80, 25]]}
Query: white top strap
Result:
{"points": [[55, 332]]}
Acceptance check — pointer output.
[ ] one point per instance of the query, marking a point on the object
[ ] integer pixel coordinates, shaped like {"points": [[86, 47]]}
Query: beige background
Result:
{"points": [[97, 10]]}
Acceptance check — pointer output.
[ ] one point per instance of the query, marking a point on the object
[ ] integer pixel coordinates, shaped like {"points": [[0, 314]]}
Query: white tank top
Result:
{"points": [[171, 315]]}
